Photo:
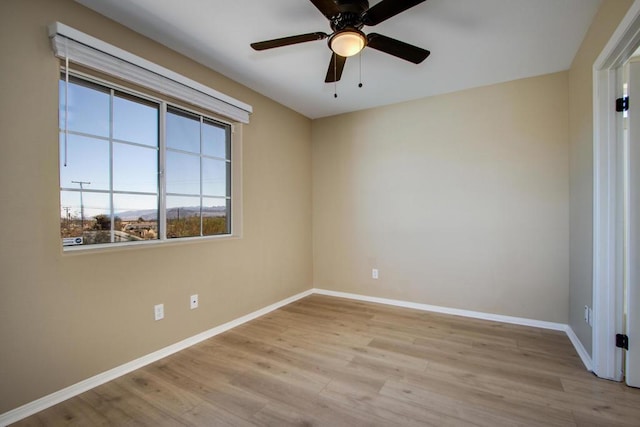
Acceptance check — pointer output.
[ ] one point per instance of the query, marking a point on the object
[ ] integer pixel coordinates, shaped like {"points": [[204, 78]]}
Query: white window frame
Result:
{"points": [[75, 47]]}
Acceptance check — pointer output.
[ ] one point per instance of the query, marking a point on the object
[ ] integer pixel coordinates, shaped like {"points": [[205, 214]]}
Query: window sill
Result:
{"points": [[126, 246]]}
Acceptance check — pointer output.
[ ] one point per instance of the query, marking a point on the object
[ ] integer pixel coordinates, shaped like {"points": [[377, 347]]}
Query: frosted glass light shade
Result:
{"points": [[348, 43]]}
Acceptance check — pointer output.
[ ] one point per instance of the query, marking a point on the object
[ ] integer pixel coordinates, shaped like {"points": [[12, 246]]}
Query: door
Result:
{"points": [[632, 226]]}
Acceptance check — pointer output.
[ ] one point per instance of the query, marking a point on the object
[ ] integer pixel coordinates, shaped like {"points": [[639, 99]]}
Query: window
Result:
{"points": [[198, 175], [134, 168]]}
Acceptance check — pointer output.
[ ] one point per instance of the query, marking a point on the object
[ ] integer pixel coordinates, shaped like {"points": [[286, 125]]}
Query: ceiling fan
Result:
{"points": [[346, 18]]}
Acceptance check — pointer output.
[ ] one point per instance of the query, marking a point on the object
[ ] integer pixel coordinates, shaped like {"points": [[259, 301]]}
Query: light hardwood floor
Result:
{"points": [[336, 362]]}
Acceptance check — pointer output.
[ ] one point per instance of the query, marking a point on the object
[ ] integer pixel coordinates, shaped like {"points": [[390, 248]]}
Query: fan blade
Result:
{"points": [[387, 9], [397, 48], [286, 41], [334, 73], [328, 8]]}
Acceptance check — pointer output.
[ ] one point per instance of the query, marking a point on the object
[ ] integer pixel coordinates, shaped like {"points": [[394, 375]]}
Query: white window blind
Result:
{"points": [[85, 50]]}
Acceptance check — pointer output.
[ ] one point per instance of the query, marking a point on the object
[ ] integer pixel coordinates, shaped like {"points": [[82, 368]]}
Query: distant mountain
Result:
{"points": [[173, 213], [146, 214], [182, 212]]}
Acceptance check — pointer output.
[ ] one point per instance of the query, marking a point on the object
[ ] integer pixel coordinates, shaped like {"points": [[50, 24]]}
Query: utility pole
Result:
{"points": [[81, 184], [66, 210]]}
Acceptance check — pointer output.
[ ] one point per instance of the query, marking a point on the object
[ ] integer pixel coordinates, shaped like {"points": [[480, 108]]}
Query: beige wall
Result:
{"points": [[64, 318], [581, 160], [459, 200]]}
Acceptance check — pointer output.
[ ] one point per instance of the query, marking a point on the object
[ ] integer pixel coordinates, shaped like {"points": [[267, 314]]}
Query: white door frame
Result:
{"points": [[607, 198]]}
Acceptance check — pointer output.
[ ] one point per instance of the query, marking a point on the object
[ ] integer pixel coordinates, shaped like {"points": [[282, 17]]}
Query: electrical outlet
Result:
{"points": [[590, 317], [158, 311], [374, 273], [194, 301]]}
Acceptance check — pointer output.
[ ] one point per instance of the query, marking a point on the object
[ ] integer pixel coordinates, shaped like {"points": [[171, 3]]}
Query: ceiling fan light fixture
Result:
{"points": [[348, 42]]}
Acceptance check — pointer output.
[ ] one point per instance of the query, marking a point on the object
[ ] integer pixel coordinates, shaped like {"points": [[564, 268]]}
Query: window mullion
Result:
{"points": [[111, 206], [162, 175], [201, 175], [229, 176]]}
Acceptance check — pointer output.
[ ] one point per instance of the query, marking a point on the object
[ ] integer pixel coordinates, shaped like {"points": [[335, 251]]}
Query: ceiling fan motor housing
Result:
{"points": [[350, 15], [353, 6]]}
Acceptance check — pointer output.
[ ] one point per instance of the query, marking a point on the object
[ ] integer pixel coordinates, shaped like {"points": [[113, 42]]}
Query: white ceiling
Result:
{"points": [[472, 42]]}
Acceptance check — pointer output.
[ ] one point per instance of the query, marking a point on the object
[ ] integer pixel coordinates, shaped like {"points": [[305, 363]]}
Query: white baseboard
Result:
{"points": [[78, 388], [445, 310], [582, 352], [85, 385]]}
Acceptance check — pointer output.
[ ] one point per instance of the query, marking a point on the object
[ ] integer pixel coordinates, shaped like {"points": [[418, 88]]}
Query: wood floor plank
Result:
{"points": [[467, 360], [385, 368], [384, 356], [218, 393], [511, 388], [513, 356], [264, 359], [164, 395], [467, 411], [326, 361], [208, 414], [498, 401], [80, 413], [298, 400], [274, 415], [602, 391], [394, 411], [517, 398], [122, 407]]}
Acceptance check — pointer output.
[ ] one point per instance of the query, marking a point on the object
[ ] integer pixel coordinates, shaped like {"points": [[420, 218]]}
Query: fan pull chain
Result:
{"points": [[335, 75], [360, 59]]}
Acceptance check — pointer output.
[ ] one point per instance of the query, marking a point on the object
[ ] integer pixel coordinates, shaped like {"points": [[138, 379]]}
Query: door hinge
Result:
{"points": [[622, 341], [622, 104]]}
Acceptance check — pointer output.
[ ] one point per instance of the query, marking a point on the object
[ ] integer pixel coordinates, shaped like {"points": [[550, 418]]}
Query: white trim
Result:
{"points": [[607, 237], [446, 310], [80, 48], [85, 385], [582, 352]]}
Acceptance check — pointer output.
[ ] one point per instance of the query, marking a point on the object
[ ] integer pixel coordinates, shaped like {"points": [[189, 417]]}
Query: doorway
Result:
{"points": [[631, 226], [616, 204]]}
